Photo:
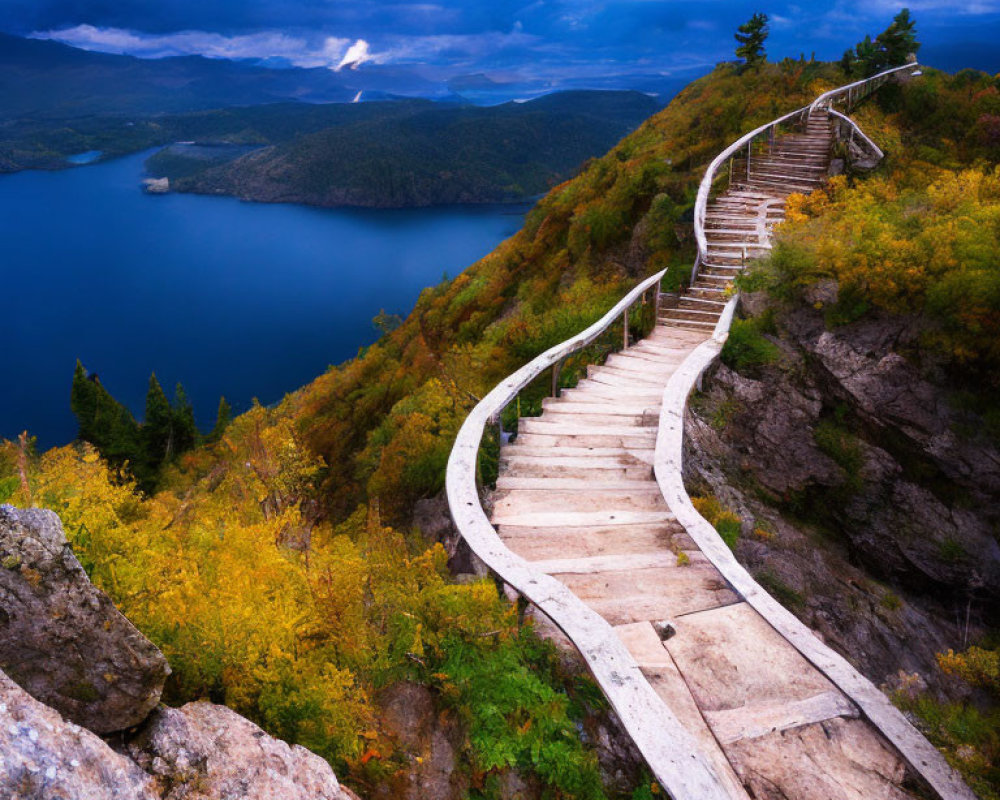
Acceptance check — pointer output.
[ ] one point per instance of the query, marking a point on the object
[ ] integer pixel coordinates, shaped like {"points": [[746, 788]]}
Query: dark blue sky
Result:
{"points": [[509, 39]]}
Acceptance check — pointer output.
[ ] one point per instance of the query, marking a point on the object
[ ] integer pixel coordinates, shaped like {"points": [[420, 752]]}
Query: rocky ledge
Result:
{"points": [[76, 671], [870, 498]]}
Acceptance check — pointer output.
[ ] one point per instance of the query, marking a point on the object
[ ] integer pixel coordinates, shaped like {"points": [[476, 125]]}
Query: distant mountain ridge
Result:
{"points": [[41, 78]]}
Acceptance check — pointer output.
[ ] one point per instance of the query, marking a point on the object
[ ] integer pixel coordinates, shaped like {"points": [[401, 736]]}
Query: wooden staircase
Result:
{"points": [[726, 694], [577, 498], [738, 223]]}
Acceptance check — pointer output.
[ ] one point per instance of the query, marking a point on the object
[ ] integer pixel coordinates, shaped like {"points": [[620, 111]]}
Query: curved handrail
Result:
{"points": [[876, 150], [670, 751], [920, 754], [823, 101], [705, 187], [827, 98], [925, 759]]}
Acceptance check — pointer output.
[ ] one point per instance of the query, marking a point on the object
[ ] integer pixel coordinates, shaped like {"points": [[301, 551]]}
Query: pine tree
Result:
{"points": [[222, 420], [891, 48], [897, 42], [185, 429], [83, 402], [751, 36], [103, 421], [848, 61], [869, 60], [157, 427]]}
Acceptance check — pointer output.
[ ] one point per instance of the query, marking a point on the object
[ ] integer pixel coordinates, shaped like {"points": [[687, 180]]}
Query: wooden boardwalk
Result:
{"points": [[577, 498]]}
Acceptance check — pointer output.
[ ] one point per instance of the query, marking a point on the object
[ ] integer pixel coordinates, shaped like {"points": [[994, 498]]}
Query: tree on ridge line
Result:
{"points": [[751, 36]]}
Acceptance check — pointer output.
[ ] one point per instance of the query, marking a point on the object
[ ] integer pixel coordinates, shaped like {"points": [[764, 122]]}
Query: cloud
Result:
{"points": [[356, 55], [270, 44]]}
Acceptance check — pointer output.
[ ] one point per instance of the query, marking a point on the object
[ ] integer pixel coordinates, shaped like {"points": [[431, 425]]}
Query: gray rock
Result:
{"points": [[44, 757], [61, 638], [883, 540], [203, 751]]}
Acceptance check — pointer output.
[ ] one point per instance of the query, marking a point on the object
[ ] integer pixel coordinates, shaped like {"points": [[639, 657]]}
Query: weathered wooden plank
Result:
{"points": [[731, 658], [545, 483], [583, 565], [537, 544], [659, 669], [839, 759], [754, 721], [562, 519], [583, 454]]}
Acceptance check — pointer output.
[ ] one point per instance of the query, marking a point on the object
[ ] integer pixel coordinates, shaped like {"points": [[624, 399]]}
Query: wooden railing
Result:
{"points": [[845, 123], [726, 158], [852, 93], [669, 750]]}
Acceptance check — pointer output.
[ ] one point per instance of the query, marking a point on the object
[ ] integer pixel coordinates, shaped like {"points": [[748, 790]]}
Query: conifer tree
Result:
{"points": [[898, 41], [158, 427], [751, 36], [103, 421], [83, 402], [222, 419], [891, 48], [185, 429]]}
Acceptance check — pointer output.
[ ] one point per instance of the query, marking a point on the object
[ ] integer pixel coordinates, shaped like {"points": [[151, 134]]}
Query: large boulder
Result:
{"points": [[203, 751], [62, 639], [44, 757]]}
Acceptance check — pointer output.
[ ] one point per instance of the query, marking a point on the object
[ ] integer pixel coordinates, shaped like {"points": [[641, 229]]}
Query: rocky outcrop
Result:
{"points": [[62, 639], [156, 185], [204, 751], [44, 757], [69, 650], [870, 502]]}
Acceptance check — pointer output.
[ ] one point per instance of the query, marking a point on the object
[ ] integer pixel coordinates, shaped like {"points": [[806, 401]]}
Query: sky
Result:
{"points": [[553, 40]]}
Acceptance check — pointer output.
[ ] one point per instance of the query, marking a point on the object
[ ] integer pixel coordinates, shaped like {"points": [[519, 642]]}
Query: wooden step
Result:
{"points": [[548, 542]]}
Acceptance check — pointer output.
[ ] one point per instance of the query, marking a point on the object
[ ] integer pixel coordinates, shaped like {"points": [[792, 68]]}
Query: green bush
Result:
{"points": [[747, 349]]}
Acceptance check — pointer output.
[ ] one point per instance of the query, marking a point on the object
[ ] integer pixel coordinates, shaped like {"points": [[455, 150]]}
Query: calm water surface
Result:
{"points": [[230, 298]]}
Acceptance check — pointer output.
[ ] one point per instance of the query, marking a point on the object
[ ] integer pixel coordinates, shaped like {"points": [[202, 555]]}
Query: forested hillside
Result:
{"points": [[279, 567], [419, 154]]}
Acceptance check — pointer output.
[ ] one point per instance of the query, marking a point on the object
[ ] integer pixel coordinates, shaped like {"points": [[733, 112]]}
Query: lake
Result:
{"points": [[230, 298]]}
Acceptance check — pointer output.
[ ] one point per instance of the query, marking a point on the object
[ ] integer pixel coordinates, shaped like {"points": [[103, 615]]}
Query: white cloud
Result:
{"points": [[356, 55], [333, 52], [268, 44]]}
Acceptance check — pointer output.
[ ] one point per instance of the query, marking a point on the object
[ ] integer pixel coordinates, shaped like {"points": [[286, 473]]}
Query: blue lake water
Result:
{"points": [[230, 298]]}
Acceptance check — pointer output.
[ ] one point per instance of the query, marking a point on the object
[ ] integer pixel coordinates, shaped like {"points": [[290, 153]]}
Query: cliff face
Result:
{"points": [[870, 500], [82, 670]]}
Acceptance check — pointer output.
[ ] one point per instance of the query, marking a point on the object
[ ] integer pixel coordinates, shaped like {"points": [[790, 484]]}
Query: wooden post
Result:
{"points": [[625, 329], [556, 369], [749, 146], [656, 305]]}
